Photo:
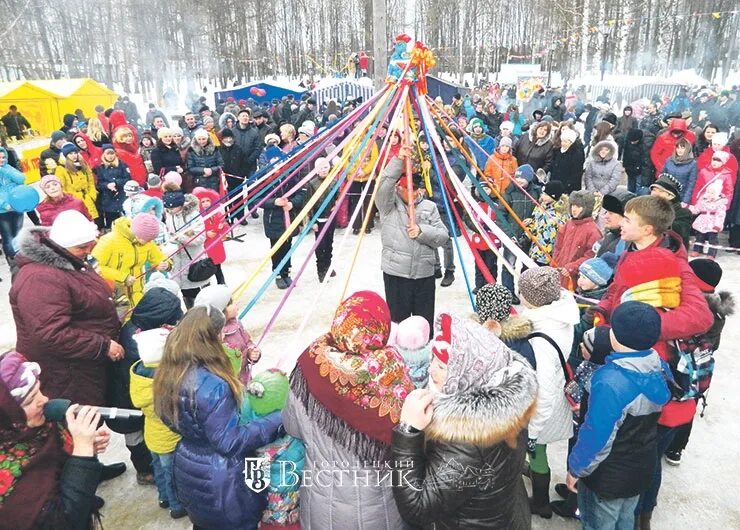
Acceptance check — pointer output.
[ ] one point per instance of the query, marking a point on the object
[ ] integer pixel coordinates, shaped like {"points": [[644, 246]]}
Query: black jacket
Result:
{"points": [[567, 167], [73, 506], [200, 158], [15, 123], [636, 158], [167, 158], [235, 162], [248, 139], [273, 219], [528, 151]]}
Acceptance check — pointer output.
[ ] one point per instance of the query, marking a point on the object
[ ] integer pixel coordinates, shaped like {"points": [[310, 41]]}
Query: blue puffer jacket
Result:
{"points": [[209, 460], [111, 201], [685, 173], [9, 179]]}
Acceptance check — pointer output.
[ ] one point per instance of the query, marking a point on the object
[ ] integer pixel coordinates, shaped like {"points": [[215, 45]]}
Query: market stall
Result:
{"points": [[39, 106]]}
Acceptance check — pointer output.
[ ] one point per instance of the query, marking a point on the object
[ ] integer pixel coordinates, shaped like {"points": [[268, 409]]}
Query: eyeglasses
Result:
{"points": [[716, 160]]}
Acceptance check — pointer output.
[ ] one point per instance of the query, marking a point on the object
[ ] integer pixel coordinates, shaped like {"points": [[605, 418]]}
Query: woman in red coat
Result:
{"points": [[91, 153], [215, 223], [56, 201], [127, 149], [575, 240]]}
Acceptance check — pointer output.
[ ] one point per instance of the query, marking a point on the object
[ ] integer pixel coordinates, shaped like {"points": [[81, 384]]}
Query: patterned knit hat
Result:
{"points": [[493, 301], [540, 286], [18, 374], [669, 183], [599, 270]]}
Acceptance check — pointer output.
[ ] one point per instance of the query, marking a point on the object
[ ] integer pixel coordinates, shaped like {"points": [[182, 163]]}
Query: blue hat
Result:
{"points": [[68, 148], [105, 147], [173, 199], [525, 172], [599, 270], [636, 325]]}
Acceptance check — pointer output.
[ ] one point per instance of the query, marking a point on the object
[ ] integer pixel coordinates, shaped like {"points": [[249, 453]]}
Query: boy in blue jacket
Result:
{"points": [[613, 461]]}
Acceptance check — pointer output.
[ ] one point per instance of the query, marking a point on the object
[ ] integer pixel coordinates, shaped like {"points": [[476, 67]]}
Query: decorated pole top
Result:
{"points": [[410, 66]]}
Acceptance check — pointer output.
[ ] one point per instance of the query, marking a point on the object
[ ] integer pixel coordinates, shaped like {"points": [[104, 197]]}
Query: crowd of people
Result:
{"points": [[400, 415]]}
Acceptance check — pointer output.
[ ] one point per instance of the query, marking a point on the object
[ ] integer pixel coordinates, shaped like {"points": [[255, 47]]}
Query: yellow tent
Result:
{"points": [[38, 105], [73, 94]]}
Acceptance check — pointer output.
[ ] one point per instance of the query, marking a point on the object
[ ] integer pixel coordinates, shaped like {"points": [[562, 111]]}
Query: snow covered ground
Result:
{"points": [[702, 491]]}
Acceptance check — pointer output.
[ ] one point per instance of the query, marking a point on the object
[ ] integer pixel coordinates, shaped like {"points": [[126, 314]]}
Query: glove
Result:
{"points": [[531, 443]]}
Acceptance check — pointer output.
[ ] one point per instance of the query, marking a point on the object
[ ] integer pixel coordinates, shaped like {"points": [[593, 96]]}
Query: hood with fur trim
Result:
{"points": [[515, 327], [153, 203], [35, 246], [604, 143]]}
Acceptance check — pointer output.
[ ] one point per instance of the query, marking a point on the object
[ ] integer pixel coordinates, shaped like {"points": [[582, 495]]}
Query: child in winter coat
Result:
{"points": [[326, 245], [78, 179], [268, 393], [718, 169], [547, 218], [112, 176], [682, 166], [576, 238], [710, 208], [487, 256], [501, 166], [240, 348], [411, 339], [146, 146], [215, 222]]}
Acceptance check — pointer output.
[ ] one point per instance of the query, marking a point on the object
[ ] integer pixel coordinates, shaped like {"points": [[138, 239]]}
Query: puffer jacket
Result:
{"points": [[80, 184], [536, 153], [552, 421], [65, 319], [401, 255], [522, 205], [48, 210], [216, 222], [208, 466], [120, 255], [685, 172], [273, 220], [193, 234], [567, 167], [111, 201], [337, 506], [200, 158], [166, 159], [665, 142], [481, 148], [10, 177], [602, 175], [501, 168], [574, 244]]}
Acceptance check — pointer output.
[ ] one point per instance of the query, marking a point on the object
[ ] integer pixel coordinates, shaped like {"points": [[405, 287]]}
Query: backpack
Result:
{"points": [[692, 366]]}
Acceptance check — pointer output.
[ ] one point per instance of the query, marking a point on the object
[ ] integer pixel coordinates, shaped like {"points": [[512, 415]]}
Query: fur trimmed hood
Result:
{"points": [[721, 303], [35, 246], [490, 408], [515, 327]]}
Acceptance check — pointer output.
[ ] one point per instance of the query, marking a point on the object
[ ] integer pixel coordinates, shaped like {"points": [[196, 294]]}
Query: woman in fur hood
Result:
{"points": [[461, 443]]}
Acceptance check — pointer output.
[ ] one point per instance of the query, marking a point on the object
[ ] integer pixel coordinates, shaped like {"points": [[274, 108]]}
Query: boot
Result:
{"points": [[449, 277], [644, 520], [141, 458], [567, 509], [540, 502]]}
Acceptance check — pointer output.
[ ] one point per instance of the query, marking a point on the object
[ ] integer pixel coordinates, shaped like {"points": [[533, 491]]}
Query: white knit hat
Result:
{"points": [[720, 139], [568, 134], [72, 229], [508, 125], [217, 296]]}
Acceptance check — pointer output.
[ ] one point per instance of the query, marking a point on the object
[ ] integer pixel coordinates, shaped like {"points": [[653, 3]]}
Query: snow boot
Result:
{"points": [[449, 277], [644, 520], [540, 501]]}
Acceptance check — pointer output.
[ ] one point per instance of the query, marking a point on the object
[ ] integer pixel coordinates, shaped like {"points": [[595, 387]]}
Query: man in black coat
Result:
{"points": [[235, 169], [15, 123], [247, 137]]}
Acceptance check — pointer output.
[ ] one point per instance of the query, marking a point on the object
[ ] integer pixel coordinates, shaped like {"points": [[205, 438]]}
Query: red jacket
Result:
{"points": [[65, 319], [705, 161], [574, 245], [707, 175], [48, 210], [665, 143], [690, 318], [93, 155], [216, 222]]}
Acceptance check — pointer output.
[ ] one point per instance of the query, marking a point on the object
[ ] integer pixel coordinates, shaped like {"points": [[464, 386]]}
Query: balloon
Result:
{"points": [[254, 91], [23, 198], [262, 92]]}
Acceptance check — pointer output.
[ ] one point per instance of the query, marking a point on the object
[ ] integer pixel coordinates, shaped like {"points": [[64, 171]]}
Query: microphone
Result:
{"points": [[56, 409]]}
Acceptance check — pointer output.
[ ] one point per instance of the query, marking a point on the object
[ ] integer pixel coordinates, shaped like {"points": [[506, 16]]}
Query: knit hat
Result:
{"points": [[505, 142], [708, 272], [611, 118], [506, 124], [200, 133], [723, 156], [540, 286], [599, 270], [172, 177], [597, 343], [47, 179], [669, 183], [56, 136], [554, 189], [305, 129], [72, 229], [720, 139], [69, 148], [525, 172], [159, 280], [217, 296], [176, 130], [145, 227], [272, 137], [173, 199], [322, 164], [584, 199], [615, 201], [153, 181], [475, 122], [132, 188], [227, 133], [18, 374], [493, 301], [636, 325], [568, 134], [107, 147], [412, 333]]}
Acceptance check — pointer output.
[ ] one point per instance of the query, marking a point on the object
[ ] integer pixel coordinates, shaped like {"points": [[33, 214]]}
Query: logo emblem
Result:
{"points": [[257, 473]]}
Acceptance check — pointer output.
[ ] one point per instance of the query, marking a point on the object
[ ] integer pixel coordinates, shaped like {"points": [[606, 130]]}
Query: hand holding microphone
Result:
{"points": [[57, 409]]}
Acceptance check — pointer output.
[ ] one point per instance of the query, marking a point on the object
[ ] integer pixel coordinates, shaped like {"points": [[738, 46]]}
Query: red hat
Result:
{"points": [[230, 99], [403, 38], [442, 343], [145, 227]]}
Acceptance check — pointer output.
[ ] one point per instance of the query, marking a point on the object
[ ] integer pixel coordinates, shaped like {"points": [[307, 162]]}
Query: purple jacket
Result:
{"points": [[209, 460]]}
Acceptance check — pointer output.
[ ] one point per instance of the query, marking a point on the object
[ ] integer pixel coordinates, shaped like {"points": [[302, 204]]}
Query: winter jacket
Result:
{"points": [[445, 495], [93, 155], [273, 219], [235, 163], [636, 159], [15, 124], [522, 206], [48, 210], [200, 158], [515, 332], [362, 169], [216, 222], [80, 184], [120, 255], [208, 466], [64, 319], [401, 255], [501, 168], [546, 223], [707, 175], [704, 161], [248, 139], [567, 167], [129, 155], [179, 234], [335, 506], [602, 175], [111, 201], [552, 420], [536, 153], [685, 173], [481, 148], [166, 159], [710, 214], [10, 178], [615, 451], [574, 244], [665, 143], [690, 318]]}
